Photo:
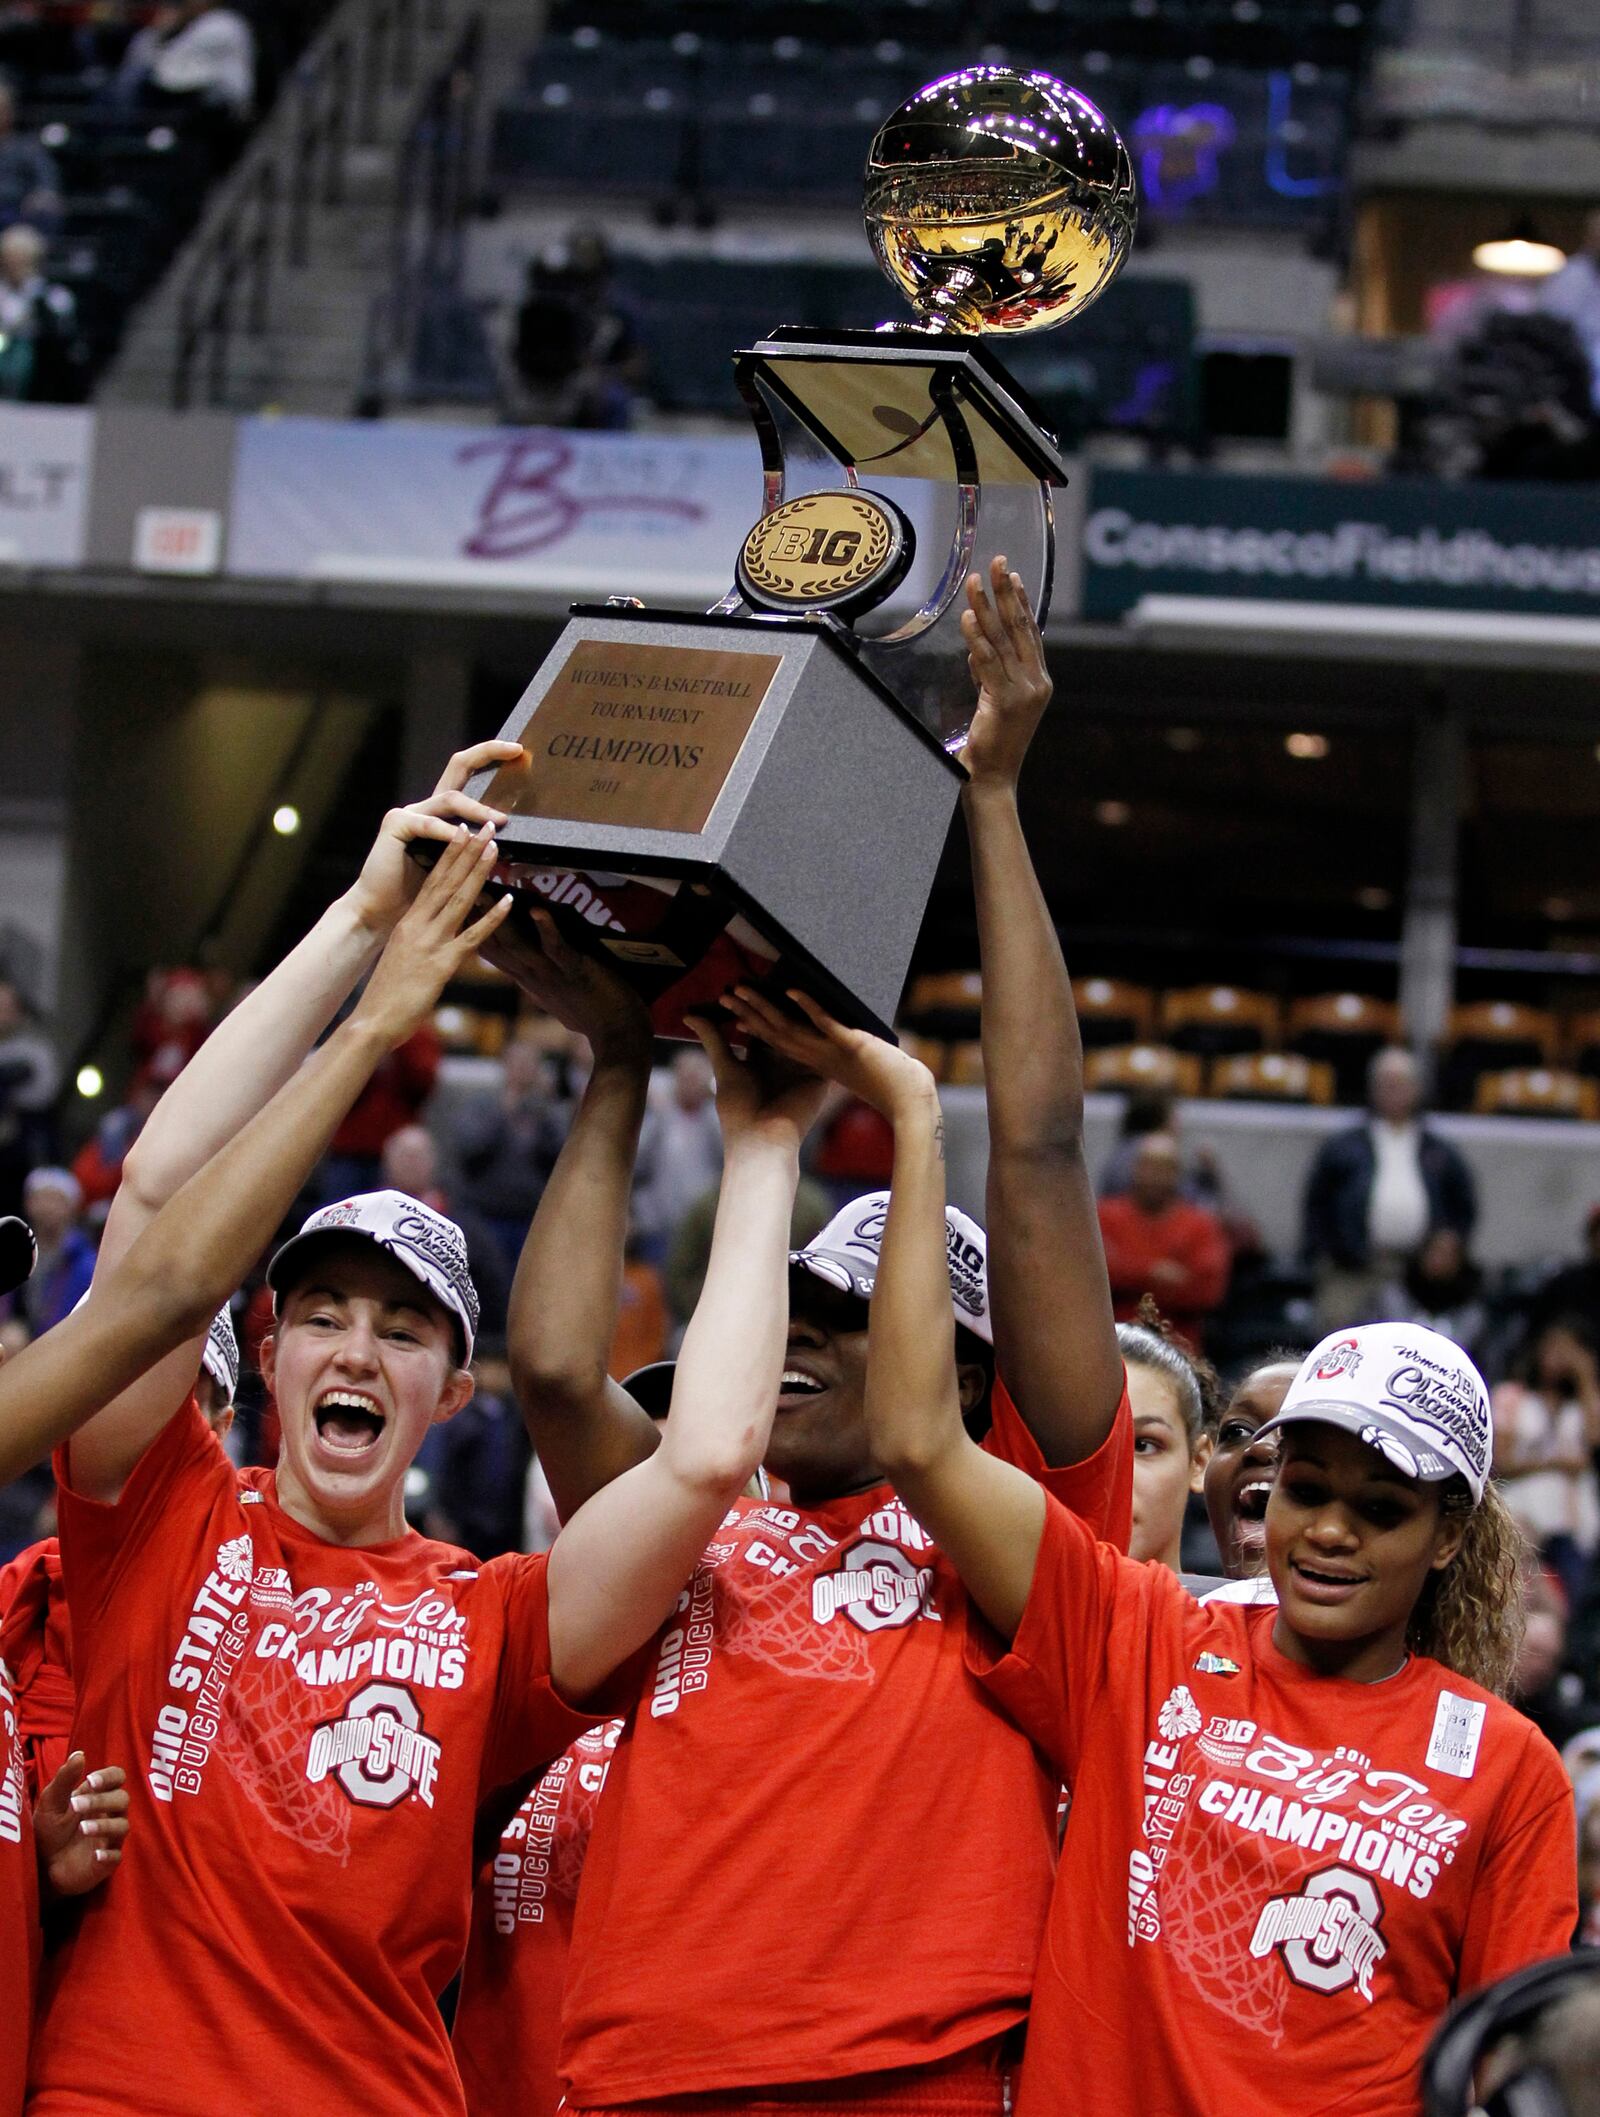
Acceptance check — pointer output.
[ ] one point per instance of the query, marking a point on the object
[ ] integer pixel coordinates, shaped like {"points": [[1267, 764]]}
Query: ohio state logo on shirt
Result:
{"points": [[1328, 1933], [377, 1750], [876, 1585]]}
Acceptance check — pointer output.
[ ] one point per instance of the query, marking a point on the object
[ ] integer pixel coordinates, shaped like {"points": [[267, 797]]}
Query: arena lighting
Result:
{"points": [[286, 820], [1305, 745], [1519, 253], [91, 1082]]}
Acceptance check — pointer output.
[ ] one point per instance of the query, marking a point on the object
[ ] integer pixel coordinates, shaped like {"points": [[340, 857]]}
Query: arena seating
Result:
{"points": [[134, 179]]}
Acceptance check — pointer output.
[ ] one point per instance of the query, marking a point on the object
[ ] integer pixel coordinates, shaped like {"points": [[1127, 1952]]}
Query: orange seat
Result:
{"points": [[1537, 1091], [945, 1002], [1111, 1011], [1272, 1076], [1143, 1067], [1504, 1024], [1218, 1019], [1343, 1014], [1582, 1041], [1347, 1030], [1493, 1036]]}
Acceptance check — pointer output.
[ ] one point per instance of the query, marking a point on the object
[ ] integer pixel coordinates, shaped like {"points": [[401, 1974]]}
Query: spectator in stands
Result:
{"points": [[1442, 1288], [642, 1318], [393, 1097], [680, 1148], [1543, 1687], [42, 357], [575, 353], [1162, 1244], [475, 1466], [1377, 1192], [198, 57], [1573, 294], [691, 1245], [30, 183], [29, 1079], [52, 1204], [98, 1165], [1575, 1289], [854, 1149], [410, 1163], [1516, 402], [172, 1021], [1546, 1426], [1150, 1110], [505, 1141]]}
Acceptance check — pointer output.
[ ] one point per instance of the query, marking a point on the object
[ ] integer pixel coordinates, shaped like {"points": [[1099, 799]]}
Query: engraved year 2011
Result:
{"points": [[605, 786]]}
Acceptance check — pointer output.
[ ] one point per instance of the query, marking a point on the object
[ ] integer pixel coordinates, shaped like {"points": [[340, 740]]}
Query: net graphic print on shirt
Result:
{"points": [[267, 1721], [776, 1624], [1210, 1892]]}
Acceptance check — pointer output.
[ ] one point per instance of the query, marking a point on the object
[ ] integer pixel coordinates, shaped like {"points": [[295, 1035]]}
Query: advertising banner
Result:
{"points": [[570, 514], [1415, 543], [45, 455]]}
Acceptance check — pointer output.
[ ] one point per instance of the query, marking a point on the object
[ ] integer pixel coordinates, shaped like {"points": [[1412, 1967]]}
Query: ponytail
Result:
{"points": [[1470, 1615]]}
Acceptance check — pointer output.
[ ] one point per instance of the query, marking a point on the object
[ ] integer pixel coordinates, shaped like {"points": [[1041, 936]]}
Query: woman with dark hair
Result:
{"points": [[1297, 1832]]}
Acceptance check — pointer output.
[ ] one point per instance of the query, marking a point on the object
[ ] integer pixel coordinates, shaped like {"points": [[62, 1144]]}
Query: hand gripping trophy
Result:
{"points": [[762, 792]]}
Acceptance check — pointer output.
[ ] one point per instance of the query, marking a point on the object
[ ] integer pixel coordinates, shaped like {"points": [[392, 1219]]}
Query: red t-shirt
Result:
{"points": [[1184, 1234], [36, 1645], [19, 1910], [822, 1851], [307, 1731], [508, 2020], [1273, 1883]]}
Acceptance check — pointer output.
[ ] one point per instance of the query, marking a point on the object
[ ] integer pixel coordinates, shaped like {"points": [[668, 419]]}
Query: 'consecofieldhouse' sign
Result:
{"points": [[1410, 542]]}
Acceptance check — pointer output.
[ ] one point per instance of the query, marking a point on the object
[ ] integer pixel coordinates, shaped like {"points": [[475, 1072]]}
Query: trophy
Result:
{"points": [[761, 793]]}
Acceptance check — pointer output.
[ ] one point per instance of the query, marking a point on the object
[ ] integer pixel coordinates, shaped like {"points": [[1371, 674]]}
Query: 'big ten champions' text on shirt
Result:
{"points": [[19, 1908], [308, 1731], [507, 2032], [1273, 1883], [822, 1850]]}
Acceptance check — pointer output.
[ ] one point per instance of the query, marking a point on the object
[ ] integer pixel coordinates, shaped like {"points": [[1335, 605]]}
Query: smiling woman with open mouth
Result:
{"points": [[1324, 1820]]}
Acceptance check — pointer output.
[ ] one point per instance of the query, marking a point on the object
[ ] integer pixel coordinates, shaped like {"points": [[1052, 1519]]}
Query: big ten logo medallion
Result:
{"points": [[838, 551]]}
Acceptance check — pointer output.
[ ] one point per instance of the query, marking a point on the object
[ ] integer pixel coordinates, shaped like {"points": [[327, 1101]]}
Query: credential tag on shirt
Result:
{"points": [[1457, 1730]]}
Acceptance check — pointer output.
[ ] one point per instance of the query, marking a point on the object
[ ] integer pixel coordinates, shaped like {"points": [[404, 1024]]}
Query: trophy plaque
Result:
{"points": [[761, 793]]}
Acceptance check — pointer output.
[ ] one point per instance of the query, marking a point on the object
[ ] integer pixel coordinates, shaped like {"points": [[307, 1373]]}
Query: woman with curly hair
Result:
{"points": [[1299, 1831]]}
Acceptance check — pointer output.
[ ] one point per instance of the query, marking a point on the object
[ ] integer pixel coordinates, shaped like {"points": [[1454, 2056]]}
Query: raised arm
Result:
{"points": [[985, 1515], [569, 1278], [242, 1064], [188, 1260], [1055, 1340], [618, 1566]]}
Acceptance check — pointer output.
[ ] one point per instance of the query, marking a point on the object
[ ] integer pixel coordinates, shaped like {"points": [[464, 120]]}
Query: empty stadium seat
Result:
{"points": [[1215, 1020], [1537, 1091], [1272, 1076], [1581, 1041], [945, 1003], [1493, 1036], [1136, 1068], [1111, 1011], [1345, 1029]]}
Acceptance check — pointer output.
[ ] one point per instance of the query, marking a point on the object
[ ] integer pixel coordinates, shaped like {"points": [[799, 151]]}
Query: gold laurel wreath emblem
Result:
{"points": [[832, 511]]}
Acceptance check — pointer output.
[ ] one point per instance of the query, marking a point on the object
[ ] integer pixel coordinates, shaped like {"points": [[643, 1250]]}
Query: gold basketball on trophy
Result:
{"points": [[999, 201]]}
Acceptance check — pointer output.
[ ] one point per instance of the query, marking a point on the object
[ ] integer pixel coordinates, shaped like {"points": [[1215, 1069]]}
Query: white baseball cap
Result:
{"points": [[845, 1255], [221, 1356], [1408, 1392], [432, 1249]]}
